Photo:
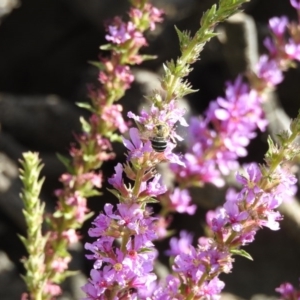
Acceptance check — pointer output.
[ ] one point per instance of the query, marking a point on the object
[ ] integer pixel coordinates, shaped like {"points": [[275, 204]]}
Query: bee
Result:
{"points": [[160, 137]]}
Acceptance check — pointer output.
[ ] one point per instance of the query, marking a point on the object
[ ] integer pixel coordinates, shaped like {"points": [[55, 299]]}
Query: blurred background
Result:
{"points": [[45, 47]]}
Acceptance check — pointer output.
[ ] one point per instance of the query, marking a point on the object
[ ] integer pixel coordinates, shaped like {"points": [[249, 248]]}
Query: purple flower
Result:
{"points": [[104, 245], [246, 238], [117, 34], [117, 180], [102, 222], [145, 232], [212, 289], [154, 187], [295, 4], [250, 182], [269, 71], [180, 201], [127, 215], [180, 245], [235, 216], [136, 147], [278, 25], [169, 114], [285, 189], [120, 33], [271, 219], [293, 50], [141, 261], [287, 291], [130, 267], [189, 264], [170, 291], [96, 286], [173, 158], [198, 171], [270, 45], [222, 136], [218, 221]]}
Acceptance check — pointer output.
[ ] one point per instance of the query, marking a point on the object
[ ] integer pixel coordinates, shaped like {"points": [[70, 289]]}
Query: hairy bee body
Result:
{"points": [[159, 139]]}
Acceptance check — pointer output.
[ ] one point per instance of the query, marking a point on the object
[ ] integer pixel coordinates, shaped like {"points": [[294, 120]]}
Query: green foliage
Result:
{"points": [[241, 252], [191, 48], [33, 212], [284, 150], [65, 161]]}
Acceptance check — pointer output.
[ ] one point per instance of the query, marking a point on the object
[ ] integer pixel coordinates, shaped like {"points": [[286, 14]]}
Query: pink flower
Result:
{"points": [[112, 115], [78, 203], [124, 76], [52, 289], [179, 201], [60, 264], [71, 236]]}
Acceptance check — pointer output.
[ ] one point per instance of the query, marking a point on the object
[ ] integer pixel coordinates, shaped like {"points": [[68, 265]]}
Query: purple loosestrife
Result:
{"points": [[283, 47], [124, 253], [288, 292], [220, 138], [196, 270], [93, 146], [127, 270]]}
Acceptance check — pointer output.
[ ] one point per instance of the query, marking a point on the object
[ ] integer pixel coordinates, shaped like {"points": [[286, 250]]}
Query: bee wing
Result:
{"points": [[146, 134]]}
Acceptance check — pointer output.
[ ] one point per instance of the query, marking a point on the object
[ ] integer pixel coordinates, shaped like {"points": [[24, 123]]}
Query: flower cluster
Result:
{"points": [[283, 48], [94, 144], [233, 225], [221, 137], [120, 272], [123, 252], [287, 290], [216, 141], [166, 116], [128, 269]]}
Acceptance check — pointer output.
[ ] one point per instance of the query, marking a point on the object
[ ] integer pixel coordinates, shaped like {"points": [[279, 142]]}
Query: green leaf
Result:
{"points": [[99, 65], [184, 38], [114, 192], [86, 127], [65, 161], [145, 250], [86, 106], [188, 91], [114, 137], [106, 47], [207, 17], [151, 200], [23, 240], [88, 216], [148, 57], [241, 252], [91, 193]]}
